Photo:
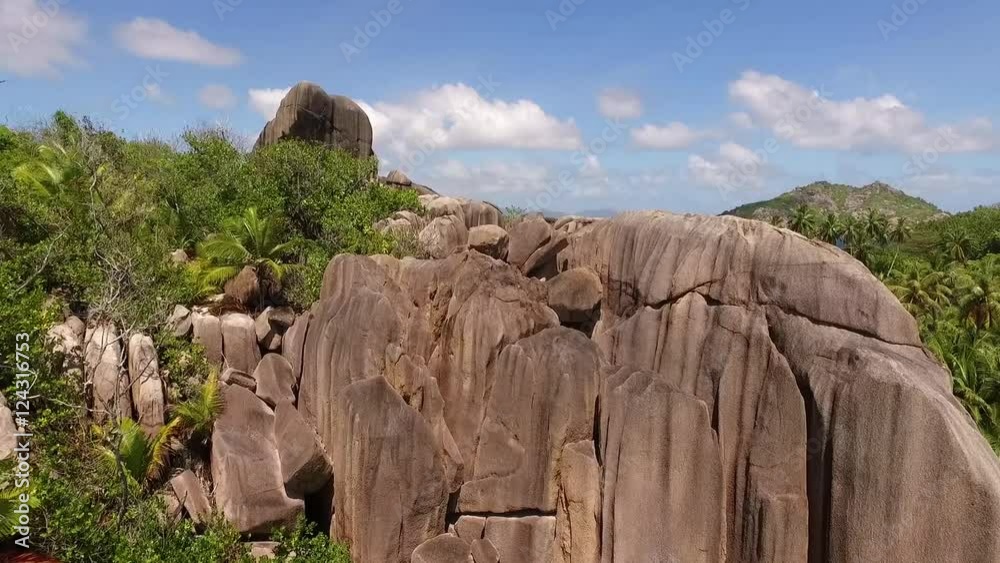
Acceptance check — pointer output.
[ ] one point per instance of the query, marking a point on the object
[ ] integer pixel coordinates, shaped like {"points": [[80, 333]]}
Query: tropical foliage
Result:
{"points": [[951, 286], [88, 223]]}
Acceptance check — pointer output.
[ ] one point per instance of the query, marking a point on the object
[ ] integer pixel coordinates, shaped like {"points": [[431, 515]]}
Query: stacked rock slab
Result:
{"points": [[747, 395]]}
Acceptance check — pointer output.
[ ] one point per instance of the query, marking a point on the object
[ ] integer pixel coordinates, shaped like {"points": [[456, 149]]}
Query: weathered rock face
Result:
{"points": [[746, 395], [490, 240], [192, 497], [246, 470], [103, 362], [304, 465], [543, 397], [145, 382], [239, 342], [385, 453], [308, 113], [443, 549], [275, 380], [444, 235], [207, 331]]}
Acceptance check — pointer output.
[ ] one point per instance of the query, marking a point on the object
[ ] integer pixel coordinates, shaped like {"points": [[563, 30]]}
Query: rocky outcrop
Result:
{"points": [[490, 240], [207, 332], [191, 495], [444, 235], [681, 389], [239, 342], [145, 384], [275, 380], [246, 469], [103, 361], [385, 454], [308, 113], [305, 468]]}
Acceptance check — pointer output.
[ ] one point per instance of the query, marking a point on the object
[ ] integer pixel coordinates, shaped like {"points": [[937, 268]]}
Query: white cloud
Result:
{"points": [[38, 39], [157, 39], [741, 119], [618, 103], [217, 96], [734, 167], [672, 136], [456, 116], [266, 101], [810, 119]]}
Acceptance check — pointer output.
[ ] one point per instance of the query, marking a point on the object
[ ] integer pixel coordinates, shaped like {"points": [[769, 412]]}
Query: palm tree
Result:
{"points": [[956, 245], [856, 238], [56, 170], [142, 458], [197, 415], [876, 226], [803, 221], [921, 290], [831, 229], [9, 502], [901, 231], [980, 299], [252, 241]]}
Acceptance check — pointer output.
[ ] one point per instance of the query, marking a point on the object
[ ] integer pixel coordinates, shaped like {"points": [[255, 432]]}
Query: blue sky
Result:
{"points": [[693, 106]]}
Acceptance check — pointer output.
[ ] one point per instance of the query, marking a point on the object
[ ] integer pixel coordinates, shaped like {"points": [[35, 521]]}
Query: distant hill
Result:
{"points": [[842, 199]]}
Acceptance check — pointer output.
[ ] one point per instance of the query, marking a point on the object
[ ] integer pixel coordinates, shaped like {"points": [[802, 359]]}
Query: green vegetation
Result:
{"points": [[947, 275], [824, 197], [88, 222]]}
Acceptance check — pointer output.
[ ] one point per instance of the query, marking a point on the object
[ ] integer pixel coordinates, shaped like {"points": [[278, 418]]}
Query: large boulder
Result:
{"points": [[191, 495], [147, 387], [103, 363], [244, 289], [444, 235], [207, 332], [66, 340], [246, 469], [490, 240], [385, 455], [275, 380], [305, 467], [180, 321], [293, 342], [787, 372], [575, 296], [308, 113], [527, 237], [239, 342]]}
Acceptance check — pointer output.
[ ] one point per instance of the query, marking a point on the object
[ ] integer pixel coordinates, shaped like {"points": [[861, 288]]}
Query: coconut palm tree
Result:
{"points": [[979, 302], [876, 226], [831, 228], [921, 290], [955, 245], [252, 241], [901, 231], [803, 221]]}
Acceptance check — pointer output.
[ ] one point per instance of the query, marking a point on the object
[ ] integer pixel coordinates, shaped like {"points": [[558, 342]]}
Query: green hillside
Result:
{"points": [[841, 198]]}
